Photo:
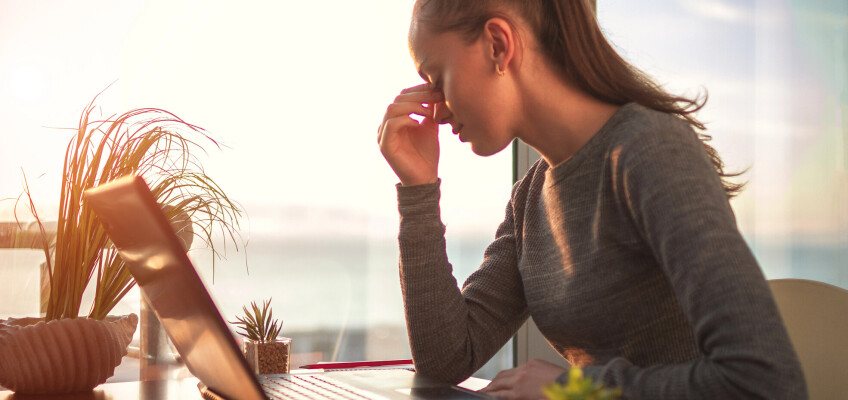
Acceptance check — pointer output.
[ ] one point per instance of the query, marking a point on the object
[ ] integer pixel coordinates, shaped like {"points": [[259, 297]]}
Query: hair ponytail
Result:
{"points": [[571, 39]]}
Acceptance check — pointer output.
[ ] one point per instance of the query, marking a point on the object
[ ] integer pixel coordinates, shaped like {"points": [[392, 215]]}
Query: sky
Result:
{"points": [[775, 72], [293, 90]]}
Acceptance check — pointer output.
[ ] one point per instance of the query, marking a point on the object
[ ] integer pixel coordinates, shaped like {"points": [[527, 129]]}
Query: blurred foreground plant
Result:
{"points": [[579, 388]]}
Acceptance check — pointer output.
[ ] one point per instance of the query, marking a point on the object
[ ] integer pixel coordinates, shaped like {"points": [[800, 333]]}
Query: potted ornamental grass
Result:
{"points": [[68, 351], [265, 351]]}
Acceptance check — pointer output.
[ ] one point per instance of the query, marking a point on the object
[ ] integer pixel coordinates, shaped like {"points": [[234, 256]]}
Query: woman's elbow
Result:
{"points": [[768, 381], [449, 370]]}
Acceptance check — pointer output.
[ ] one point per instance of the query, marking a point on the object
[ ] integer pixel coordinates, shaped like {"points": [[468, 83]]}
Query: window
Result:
{"points": [[776, 76], [295, 92]]}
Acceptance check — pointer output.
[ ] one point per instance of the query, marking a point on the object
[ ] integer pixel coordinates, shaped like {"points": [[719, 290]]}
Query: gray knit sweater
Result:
{"points": [[629, 260]]}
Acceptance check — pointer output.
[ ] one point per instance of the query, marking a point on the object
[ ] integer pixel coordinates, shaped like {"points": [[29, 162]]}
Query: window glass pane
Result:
{"points": [[776, 75], [294, 92]]}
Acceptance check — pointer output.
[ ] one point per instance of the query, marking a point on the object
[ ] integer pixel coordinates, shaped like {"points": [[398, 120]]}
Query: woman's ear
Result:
{"points": [[501, 43]]}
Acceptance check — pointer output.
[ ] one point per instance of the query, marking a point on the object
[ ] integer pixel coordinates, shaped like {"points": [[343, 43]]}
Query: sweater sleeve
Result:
{"points": [[453, 332], [669, 187]]}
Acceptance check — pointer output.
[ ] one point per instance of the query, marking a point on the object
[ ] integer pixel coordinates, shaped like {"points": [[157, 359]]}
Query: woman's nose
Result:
{"points": [[441, 113]]}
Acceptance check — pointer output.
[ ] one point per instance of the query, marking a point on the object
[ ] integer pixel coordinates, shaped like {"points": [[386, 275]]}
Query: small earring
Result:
{"points": [[499, 70]]}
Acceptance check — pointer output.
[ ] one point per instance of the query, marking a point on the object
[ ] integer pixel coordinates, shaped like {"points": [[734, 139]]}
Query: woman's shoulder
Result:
{"points": [[533, 179], [639, 129], [635, 121], [534, 173]]}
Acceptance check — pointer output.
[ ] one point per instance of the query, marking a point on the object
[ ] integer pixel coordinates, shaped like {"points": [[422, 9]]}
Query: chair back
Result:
{"points": [[816, 317]]}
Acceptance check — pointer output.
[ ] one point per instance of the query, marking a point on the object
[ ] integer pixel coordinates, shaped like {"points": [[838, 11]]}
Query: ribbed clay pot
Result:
{"points": [[62, 356]]}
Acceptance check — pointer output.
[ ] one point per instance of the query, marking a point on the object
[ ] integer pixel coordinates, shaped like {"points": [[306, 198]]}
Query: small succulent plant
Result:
{"points": [[257, 324], [580, 388]]}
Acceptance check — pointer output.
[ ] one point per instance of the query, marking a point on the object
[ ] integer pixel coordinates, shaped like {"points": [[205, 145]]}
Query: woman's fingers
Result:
{"points": [[415, 100], [418, 88], [503, 380], [524, 382], [394, 125], [399, 109], [411, 147], [420, 94]]}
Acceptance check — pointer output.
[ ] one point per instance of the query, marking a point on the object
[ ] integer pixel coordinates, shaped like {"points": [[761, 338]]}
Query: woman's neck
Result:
{"points": [[557, 119]]}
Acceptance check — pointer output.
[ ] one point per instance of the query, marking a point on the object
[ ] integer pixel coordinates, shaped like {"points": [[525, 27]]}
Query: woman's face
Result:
{"points": [[475, 101]]}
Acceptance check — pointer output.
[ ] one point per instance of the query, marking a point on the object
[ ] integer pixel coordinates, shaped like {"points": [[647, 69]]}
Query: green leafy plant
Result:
{"points": [[258, 324], [149, 142], [580, 388]]}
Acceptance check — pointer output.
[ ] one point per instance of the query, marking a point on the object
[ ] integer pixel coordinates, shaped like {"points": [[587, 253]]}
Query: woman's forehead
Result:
{"points": [[416, 32], [420, 41]]}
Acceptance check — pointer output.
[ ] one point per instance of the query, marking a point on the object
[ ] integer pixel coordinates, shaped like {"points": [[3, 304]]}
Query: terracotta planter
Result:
{"points": [[268, 357], [62, 356]]}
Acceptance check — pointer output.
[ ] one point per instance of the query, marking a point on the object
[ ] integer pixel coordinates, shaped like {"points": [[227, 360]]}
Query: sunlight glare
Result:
{"points": [[26, 84]]}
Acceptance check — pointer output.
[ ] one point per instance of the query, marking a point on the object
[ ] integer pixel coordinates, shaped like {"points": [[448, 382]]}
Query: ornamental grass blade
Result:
{"points": [[150, 142]]}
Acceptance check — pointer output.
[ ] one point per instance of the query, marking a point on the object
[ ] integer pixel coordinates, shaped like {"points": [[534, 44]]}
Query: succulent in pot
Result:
{"points": [[265, 351]]}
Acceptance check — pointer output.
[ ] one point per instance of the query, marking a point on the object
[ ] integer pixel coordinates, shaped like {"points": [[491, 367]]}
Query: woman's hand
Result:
{"points": [[524, 382], [412, 149]]}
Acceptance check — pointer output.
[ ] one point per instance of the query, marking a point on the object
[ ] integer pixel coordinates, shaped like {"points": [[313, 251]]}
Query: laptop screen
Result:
{"points": [[155, 257]]}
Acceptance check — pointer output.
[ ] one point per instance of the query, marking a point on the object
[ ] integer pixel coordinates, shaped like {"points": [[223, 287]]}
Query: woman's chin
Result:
{"points": [[486, 149]]}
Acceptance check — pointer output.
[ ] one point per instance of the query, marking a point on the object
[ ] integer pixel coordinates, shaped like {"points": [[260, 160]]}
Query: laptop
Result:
{"points": [[156, 259]]}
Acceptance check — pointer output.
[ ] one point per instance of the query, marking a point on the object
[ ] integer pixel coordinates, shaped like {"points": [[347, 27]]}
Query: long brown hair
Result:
{"points": [[571, 39]]}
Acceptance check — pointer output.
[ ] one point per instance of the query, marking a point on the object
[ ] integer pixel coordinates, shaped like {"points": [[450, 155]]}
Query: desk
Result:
{"points": [[171, 389], [132, 380]]}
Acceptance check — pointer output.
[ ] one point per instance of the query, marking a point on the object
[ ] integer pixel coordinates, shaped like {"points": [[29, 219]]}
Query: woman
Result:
{"points": [[620, 242]]}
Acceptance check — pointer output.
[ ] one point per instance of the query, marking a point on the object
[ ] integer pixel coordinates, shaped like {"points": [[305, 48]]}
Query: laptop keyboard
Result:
{"points": [[313, 387]]}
